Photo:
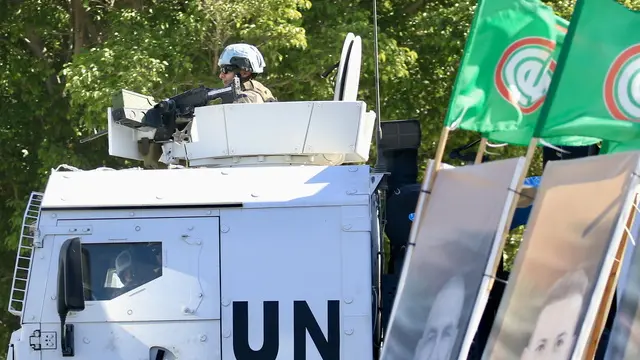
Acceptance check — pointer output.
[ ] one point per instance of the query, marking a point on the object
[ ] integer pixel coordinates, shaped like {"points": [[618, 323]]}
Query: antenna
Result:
{"points": [[380, 161]]}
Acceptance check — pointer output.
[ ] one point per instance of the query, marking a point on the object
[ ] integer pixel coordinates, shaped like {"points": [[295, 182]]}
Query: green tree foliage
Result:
{"points": [[60, 62]]}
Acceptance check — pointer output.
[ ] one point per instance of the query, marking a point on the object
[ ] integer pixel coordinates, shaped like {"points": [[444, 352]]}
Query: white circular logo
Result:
{"points": [[524, 72], [622, 85]]}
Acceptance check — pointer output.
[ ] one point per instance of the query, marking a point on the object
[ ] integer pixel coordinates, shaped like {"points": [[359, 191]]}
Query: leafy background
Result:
{"points": [[61, 60]]}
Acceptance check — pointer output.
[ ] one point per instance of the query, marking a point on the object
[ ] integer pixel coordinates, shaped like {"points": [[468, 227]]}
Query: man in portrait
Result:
{"points": [[442, 326], [554, 333]]}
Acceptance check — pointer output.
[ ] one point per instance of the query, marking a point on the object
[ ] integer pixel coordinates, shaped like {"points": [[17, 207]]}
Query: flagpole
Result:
{"points": [[423, 200], [592, 339], [531, 149], [544, 112], [607, 297], [442, 143], [437, 162], [444, 135], [481, 148]]}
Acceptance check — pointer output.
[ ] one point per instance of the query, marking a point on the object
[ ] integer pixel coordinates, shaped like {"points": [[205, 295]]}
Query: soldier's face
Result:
{"points": [[226, 77]]}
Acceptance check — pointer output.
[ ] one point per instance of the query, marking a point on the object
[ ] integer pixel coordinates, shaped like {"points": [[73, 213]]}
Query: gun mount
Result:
{"points": [[172, 114], [189, 131], [304, 133]]}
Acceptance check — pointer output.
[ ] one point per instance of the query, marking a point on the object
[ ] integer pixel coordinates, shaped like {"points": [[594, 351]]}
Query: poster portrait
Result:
{"points": [[563, 263], [456, 234]]}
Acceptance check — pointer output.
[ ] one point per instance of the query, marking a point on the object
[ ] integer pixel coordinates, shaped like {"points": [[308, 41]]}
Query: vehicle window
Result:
{"points": [[110, 270]]}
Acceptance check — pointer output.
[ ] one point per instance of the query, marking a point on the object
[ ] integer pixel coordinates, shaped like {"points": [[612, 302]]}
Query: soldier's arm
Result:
{"points": [[248, 98]]}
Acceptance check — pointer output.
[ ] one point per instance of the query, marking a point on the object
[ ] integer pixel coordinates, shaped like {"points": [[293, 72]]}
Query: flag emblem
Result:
{"points": [[524, 72], [622, 85]]}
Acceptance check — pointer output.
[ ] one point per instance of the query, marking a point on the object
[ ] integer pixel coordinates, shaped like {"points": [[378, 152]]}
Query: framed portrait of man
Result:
{"points": [[443, 287], [563, 263]]}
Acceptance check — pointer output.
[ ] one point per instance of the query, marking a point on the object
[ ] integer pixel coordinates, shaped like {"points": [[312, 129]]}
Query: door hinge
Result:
{"points": [[43, 340]]}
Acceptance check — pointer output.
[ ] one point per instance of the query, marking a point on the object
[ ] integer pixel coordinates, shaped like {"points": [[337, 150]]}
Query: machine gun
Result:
{"points": [[175, 112]]}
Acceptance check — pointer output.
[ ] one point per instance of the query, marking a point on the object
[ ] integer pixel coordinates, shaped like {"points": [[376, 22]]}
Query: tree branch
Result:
{"points": [[34, 42], [91, 28], [78, 15], [411, 9], [128, 4]]}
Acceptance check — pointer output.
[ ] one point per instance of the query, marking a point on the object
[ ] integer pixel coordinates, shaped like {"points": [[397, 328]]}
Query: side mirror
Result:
{"points": [[70, 289]]}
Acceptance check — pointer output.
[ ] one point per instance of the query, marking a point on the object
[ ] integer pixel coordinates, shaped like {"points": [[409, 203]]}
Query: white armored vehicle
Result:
{"points": [[264, 246]]}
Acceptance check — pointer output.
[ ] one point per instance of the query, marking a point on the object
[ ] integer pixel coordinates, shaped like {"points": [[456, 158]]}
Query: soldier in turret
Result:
{"points": [[242, 60], [247, 62]]}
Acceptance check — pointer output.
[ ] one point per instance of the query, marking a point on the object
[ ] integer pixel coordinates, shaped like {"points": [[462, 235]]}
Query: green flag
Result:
{"points": [[595, 91], [523, 132], [506, 69], [612, 147]]}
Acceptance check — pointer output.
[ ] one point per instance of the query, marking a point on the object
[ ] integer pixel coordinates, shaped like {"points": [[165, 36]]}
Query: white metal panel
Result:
{"points": [[187, 290], [130, 213], [21, 349], [123, 141], [356, 272], [375, 181], [341, 120], [224, 133], [363, 139], [172, 152], [270, 128], [194, 340], [253, 187], [273, 160], [208, 133], [357, 343], [289, 255]]}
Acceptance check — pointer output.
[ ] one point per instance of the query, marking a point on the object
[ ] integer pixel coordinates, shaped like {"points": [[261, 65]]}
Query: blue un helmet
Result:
{"points": [[242, 56]]}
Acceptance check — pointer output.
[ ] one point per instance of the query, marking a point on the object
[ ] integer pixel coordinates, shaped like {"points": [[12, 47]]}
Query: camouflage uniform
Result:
{"points": [[255, 93], [151, 153]]}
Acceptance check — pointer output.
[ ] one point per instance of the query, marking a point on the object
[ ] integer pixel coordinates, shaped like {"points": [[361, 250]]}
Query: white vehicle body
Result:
{"points": [[252, 258], [266, 248]]}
